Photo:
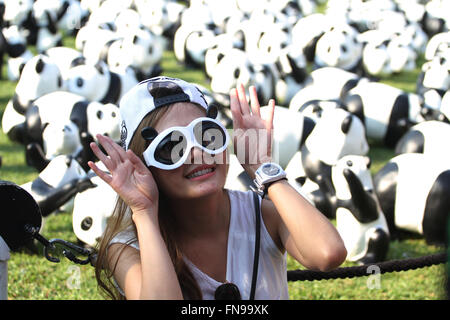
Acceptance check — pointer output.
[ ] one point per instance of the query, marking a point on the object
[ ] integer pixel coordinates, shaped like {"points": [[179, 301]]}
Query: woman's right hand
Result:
{"points": [[128, 176]]}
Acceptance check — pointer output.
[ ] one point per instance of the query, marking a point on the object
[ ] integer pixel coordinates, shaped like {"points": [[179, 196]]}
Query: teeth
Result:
{"points": [[200, 173]]}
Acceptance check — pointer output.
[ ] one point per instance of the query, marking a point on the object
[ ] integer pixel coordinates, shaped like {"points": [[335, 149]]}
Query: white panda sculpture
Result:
{"points": [[39, 77], [91, 210], [46, 17], [61, 179], [18, 53], [336, 134], [359, 219], [290, 130], [428, 137], [337, 81], [89, 118], [338, 47], [413, 189], [388, 112], [96, 82]]}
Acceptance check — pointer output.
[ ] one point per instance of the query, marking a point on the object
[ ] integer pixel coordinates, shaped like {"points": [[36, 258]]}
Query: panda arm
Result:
{"points": [[306, 233]]}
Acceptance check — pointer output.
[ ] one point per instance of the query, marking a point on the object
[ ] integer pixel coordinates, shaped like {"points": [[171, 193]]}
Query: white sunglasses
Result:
{"points": [[170, 148]]}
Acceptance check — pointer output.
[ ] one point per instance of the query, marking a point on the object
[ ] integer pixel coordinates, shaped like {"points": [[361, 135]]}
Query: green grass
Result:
{"points": [[31, 276]]}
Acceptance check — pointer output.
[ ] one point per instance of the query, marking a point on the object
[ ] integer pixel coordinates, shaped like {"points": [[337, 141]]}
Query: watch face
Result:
{"points": [[270, 170]]}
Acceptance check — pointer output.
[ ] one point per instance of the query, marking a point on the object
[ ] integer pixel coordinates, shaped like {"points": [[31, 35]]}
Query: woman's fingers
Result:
{"points": [[138, 164], [269, 120], [235, 109], [109, 145], [254, 102], [103, 175], [243, 103]]}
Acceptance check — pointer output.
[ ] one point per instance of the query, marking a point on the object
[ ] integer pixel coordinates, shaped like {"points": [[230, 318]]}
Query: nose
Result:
{"points": [[197, 156]]}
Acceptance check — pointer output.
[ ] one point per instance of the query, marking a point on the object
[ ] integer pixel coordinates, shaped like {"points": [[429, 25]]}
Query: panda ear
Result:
{"points": [[346, 123], [149, 133], [40, 65], [212, 111], [98, 66], [368, 162]]}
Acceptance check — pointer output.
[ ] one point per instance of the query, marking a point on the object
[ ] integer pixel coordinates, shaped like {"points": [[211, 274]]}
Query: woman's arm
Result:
{"points": [[306, 234], [149, 272]]}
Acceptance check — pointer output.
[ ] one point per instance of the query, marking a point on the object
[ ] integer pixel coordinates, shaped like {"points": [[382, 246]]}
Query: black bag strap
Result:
{"points": [[257, 244]]}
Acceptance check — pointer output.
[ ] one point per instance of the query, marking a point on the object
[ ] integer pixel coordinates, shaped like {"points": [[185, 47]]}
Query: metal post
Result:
{"points": [[4, 257]]}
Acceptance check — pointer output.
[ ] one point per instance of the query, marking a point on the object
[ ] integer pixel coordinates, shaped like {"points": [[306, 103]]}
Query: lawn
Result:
{"points": [[31, 276]]}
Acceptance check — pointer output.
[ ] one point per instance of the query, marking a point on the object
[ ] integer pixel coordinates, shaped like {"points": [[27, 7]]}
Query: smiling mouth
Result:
{"points": [[200, 173]]}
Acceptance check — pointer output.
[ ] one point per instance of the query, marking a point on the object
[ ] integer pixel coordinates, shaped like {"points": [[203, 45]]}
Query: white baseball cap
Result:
{"points": [[138, 102]]}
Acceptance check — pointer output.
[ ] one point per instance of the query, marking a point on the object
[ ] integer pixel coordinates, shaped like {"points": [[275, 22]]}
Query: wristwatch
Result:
{"points": [[267, 174]]}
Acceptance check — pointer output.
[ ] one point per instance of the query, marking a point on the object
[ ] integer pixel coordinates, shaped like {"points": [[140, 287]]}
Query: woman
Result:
{"points": [[176, 232]]}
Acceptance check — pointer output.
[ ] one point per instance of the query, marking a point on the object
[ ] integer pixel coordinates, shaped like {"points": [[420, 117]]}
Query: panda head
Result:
{"points": [[16, 11], [339, 47], [144, 48], [359, 165], [61, 138], [375, 58], [436, 72], [233, 69], [314, 108], [220, 47], [39, 77], [196, 44], [336, 134], [272, 40], [89, 80], [45, 10], [61, 170], [401, 55], [103, 119]]}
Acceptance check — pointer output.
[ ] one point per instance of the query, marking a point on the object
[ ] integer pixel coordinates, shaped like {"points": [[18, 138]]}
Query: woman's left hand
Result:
{"points": [[252, 135]]}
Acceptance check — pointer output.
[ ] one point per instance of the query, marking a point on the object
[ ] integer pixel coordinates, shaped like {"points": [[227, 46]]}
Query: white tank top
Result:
{"points": [[272, 269]]}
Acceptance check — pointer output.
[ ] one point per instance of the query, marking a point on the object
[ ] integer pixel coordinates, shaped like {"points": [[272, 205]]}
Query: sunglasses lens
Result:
{"points": [[171, 149], [227, 291], [210, 135]]}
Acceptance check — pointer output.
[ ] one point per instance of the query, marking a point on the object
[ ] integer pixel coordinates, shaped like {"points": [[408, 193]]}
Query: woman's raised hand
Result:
{"points": [[128, 176], [252, 135]]}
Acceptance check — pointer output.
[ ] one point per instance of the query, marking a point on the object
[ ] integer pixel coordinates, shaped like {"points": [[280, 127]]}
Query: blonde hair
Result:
{"points": [[120, 220]]}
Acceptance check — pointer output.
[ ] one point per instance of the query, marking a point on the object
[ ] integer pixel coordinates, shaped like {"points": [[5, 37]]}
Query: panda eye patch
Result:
{"points": [[349, 163], [80, 82], [237, 72], [113, 114], [99, 114]]}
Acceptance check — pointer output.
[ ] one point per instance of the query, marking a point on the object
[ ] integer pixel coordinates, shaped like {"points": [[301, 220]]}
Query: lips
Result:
{"points": [[200, 171]]}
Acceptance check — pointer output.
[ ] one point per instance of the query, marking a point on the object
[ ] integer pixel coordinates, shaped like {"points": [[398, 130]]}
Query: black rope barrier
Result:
{"points": [[366, 270]]}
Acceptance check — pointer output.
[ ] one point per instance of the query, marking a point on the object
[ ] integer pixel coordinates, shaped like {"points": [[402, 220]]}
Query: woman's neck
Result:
{"points": [[203, 217]]}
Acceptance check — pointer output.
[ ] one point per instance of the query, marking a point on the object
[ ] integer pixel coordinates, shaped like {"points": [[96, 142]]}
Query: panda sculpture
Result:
{"points": [[15, 45], [338, 47], [46, 16], [61, 179], [96, 82], [290, 130], [387, 112], [39, 77], [140, 50], [336, 134], [85, 117], [428, 137], [359, 218], [337, 81], [91, 210], [413, 190]]}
